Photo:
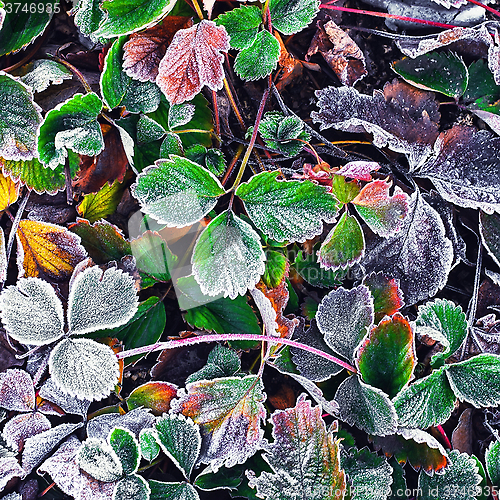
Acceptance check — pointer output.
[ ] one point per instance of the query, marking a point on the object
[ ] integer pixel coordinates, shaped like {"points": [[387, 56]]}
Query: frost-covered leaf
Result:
{"points": [[193, 60], [88, 15], [287, 210], [172, 491], [31, 312], [99, 300], [308, 268], [9, 468], [309, 365], [464, 168], [132, 488], [419, 255], [97, 458], [458, 482], [366, 407], [134, 420], [231, 246], [427, 402], [180, 439], [84, 368], [20, 119], [481, 82], [292, 16], [382, 213], [221, 362], [119, 89], [402, 118], [9, 192], [96, 206], [415, 446], [24, 426], [387, 296], [386, 358], [44, 72], [125, 17], [344, 245], [476, 380], [492, 459], [180, 114], [304, 457], [154, 395], [369, 475], [126, 448], [150, 448], [359, 170], [177, 191], [229, 412], [259, 59], [443, 321], [69, 404], [440, 71], [3, 257], [47, 251], [242, 25], [71, 125], [65, 472], [489, 227], [16, 391], [36, 448], [344, 317]]}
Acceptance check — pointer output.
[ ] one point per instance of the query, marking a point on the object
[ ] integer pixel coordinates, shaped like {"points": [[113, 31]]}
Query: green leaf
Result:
{"points": [[476, 380], [132, 488], [308, 268], [481, 82], [386, 358], [150, 448], [344, 246], [445, 322], [177, 191], [172, 145], [399, 484], [344, 317], [126, 448], [22, 26], [97, 458], [292, 16], [96, 206], [241, 25], [229, 411], [88, 16], [20, 118], [492, 459], [148, 130], [287, 210], [276, 268], [172, 491], [368, 474], [387, 296], [221, 362], [366, 407], [230, 246], [304, 457], [180, 439], [228, 479], [119, 89], [211, 159], [40, 74], [458, 482], [345, 191], [489, 227], [71, 125], [427, 402], [125, 17], [438, 71], [259, 59]]}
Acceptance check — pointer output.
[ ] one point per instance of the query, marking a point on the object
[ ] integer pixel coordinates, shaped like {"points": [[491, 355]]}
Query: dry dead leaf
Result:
{"points": [[291, 66]]}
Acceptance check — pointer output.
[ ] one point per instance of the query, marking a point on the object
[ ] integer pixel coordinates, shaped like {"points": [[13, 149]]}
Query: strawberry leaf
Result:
{"points": [[287, 210], [304, 457], [427, 402], [155, 396], [150, 448], [344, 245], [230, 245], [387, 296], [221, 362], [96, 206], [124, 444], [9, 469], [16, 391], [229, 411], [492, 459], [97, 458], [177, 192], [386, 358], [88, 16], [180, 439], [133, 486], [489, 227], [292, 16], [75, 406], [71, 125], [308, 268], [242, 25], [40, 74], [172, 491], [21, 427]]}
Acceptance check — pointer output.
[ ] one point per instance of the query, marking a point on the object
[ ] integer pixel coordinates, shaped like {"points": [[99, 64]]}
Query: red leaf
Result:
{"points": [[193, 60]]}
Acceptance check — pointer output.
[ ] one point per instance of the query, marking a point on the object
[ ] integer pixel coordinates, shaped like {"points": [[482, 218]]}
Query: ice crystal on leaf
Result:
{"points": [[97, 458]]}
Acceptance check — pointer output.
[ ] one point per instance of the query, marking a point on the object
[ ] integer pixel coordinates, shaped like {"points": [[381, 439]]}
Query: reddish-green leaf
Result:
{"points": [[387, 296], [153, 395]]}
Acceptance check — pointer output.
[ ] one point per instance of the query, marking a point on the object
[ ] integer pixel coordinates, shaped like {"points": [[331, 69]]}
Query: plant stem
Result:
{"points": [[197, 8], [76, 72], [173, 344]]}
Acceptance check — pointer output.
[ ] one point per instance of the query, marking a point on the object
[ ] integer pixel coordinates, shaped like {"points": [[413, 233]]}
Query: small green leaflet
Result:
{"points": [[259, 59], [242, 25], [177, 191], [304, 457], [439, 71], [132, 486], [492, 458], [20, 119], [221, 362], [481, 83], [88, 16], [150, 448], [287, 210], [172, 491], [96, 206], [292, 16], [125, 17], [71, 125], [97, 458], [126, 448], [40, 74], [119, 89], [230, 246]]}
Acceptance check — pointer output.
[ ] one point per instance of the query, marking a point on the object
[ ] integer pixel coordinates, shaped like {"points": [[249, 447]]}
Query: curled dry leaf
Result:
{"points": [[193, 60], [339, 51]]}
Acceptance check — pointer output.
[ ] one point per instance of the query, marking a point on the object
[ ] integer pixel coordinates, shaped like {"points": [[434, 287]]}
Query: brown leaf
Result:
{"points": [[461, 438], [291, 67], [144, 51], [339, 51], [109, 166], [193, 60]]}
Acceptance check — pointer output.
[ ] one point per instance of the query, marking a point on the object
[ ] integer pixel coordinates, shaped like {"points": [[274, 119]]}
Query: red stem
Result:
{"points": [[390, 16], [487, 7], [444, 437], [173, 344]]}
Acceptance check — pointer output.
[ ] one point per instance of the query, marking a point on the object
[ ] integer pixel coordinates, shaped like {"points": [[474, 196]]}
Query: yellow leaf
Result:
{"points": [[47, 251], [99, 205], [9, 192]]}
